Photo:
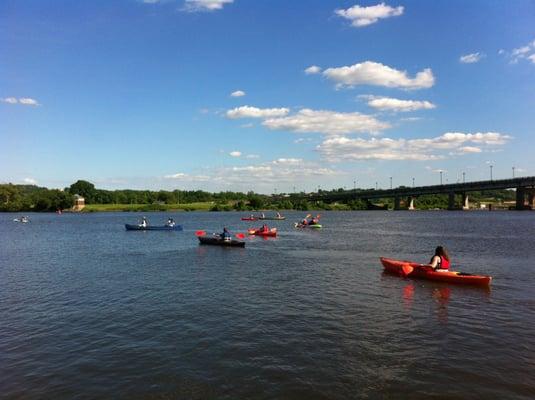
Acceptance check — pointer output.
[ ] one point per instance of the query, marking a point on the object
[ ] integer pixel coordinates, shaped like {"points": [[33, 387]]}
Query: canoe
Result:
{"points": [[216, 241], [249, 219], [130, 227], [315, 226], [415, 270], [272, 218], [257, 232]]}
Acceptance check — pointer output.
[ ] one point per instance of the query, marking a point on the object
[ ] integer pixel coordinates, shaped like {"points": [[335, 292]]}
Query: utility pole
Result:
{"points": [[354, 185], [412, 182], [440, 177], [513, 172], [463, 178], [491, 171], [375, 185], [390, 183]]}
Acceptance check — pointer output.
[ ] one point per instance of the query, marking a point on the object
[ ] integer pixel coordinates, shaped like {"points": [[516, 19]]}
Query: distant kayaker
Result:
{"points": [[225, 235], [264, 228], [170, 222], [144, 223], [304, 221], [441, 260], [279, 215]]}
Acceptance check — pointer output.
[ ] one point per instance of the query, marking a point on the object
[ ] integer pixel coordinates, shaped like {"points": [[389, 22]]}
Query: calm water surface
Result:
{"points": [[91, 311]]}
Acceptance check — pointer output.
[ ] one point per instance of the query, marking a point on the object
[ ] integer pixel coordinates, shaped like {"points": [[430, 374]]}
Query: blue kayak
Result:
{"points": [[130, 227]]}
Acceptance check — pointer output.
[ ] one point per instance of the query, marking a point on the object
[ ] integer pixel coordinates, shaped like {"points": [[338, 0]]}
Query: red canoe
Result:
{"points": [[416, 270], [249, 218], [258, 232]]}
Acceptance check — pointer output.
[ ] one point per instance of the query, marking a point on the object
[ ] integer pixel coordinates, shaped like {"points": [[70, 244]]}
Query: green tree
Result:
{"points": [[85, 189]]}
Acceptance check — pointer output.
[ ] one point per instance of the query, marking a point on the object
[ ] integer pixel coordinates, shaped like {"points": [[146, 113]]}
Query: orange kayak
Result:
{"points": [[415, 270], [259, 232]]}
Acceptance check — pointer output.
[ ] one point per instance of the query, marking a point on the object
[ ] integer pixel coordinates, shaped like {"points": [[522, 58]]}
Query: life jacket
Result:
{"points": [[443, 264]]}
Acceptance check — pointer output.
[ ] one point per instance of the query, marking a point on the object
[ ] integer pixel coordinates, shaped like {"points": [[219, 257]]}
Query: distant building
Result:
{"points": [[79, 203]]}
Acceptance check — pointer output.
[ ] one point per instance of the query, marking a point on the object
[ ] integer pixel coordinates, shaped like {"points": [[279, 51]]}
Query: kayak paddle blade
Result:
{"points": [[406, 269]]}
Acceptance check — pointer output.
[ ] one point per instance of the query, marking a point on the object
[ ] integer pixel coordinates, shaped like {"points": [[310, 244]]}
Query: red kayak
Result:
{"points": [[415, 270], [259, 232], [249, 219]]}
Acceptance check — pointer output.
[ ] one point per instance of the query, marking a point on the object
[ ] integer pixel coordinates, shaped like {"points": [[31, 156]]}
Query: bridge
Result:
{"points": [[525, 190]]}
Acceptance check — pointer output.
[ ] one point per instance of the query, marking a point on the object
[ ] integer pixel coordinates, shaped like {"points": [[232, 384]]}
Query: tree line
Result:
{"points": [[33, 198]]}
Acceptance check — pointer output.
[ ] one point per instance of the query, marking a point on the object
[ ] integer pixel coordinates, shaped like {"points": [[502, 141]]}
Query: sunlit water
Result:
{"points": [[89, 310]]}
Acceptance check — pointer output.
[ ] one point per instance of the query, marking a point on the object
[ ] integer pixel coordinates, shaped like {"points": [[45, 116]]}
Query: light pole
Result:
{"points": [[376, 186], [412, 182], [354, 185], [513, 172], [491, 171], [390, 183], [463, 178], [440, 177]]}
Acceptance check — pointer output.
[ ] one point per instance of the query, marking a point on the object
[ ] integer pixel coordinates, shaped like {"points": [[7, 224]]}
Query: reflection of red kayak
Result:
{"points": [[416, 270], [249, 218], [259, 232]]}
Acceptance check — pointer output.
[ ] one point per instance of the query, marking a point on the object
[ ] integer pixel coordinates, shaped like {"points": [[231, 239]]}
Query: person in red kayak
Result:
{"points": [[441, 260], [264, 228]]}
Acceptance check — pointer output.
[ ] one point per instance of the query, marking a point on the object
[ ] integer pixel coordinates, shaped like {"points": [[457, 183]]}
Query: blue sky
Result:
{"points": [[265, 95]]}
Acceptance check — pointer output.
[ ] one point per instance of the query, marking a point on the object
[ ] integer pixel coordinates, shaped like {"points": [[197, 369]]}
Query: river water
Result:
{"points": [[91, 311]]}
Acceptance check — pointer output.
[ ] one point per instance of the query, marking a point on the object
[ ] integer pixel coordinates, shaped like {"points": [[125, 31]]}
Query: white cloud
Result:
{"points": [[377, 74], [471, 58], [180, 176], [326, 122], [341, 148], [26, 101], [205, 5], [235, 153], [470, 149], [30, 181], [363, 16], [313, 69], [390, 104], [237, 93], [254, 112], [520, 53]]}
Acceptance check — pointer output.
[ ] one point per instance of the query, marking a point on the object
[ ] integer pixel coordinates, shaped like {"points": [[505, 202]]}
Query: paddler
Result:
{"points": [[441, 260]]}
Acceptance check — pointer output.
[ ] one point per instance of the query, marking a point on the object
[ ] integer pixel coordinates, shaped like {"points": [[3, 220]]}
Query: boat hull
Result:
{"points": [[215, 241], [272, 218], [425, 272], [130, 227], [315, 226]]}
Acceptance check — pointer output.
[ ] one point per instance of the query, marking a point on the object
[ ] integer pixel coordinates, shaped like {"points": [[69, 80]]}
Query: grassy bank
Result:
{"points": [[201, 206]]}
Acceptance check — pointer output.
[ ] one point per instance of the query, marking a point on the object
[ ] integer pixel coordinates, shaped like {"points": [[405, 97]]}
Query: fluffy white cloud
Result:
{"points": [[205, 5], [363, 16], [235, 153], [326, 122], [313, 69], [390, 104], [30, 181], [254, 112], [27, 101], [525, 52], [237, 93], [377, 74], [471, 58], [470, 149], [347, 149]]}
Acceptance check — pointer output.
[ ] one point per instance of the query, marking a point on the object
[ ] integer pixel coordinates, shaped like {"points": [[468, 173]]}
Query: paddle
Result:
{"points": [[406, 269], [200, 233]]}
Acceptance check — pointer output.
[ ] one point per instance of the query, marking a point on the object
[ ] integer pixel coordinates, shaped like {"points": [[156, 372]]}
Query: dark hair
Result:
{"points": [[441, 251]]}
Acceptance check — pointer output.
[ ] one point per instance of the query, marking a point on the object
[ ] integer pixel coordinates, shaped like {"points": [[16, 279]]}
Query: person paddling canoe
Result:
{"points": [[441, 260], [225, 235]]}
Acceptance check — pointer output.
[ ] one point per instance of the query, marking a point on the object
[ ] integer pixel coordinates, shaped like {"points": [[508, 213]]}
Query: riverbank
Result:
{"points": [[200, 206]]}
